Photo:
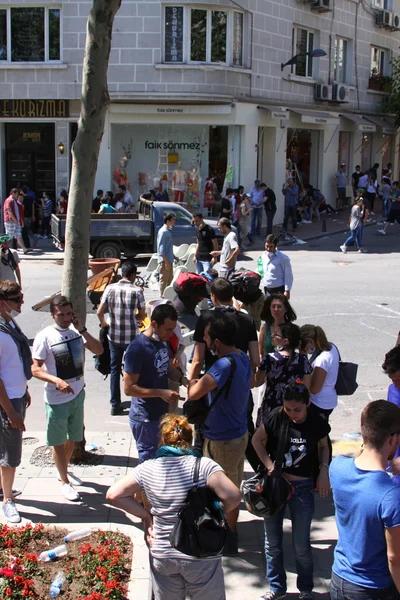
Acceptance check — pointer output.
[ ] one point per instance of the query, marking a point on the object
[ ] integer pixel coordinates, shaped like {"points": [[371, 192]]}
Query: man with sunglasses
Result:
{"points": [[15, 371]]}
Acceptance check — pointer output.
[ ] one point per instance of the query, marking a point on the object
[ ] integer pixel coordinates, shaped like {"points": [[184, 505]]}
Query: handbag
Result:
{"points": [[201, 529], [196, 411], [263, 494], [346, 382]]}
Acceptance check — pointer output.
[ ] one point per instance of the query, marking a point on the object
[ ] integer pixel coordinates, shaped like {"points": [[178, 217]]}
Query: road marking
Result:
{"points": [[376, 329]]}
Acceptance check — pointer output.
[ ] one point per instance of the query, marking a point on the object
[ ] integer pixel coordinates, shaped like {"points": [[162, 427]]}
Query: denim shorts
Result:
{"points": [[341, 589], [11, 438], [65, 421]]}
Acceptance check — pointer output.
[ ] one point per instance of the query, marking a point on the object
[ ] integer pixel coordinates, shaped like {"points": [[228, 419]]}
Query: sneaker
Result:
{"points": [[306, 596], [382, 231], [69, 493], [362, 251], [372, 213], [73, 479], [343, 249], [271, 595], [116, 410], [15, 493], [10, 512]]}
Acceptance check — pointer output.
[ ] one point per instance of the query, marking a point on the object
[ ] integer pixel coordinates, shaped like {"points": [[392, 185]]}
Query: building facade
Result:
{"points": [[200, 89]]}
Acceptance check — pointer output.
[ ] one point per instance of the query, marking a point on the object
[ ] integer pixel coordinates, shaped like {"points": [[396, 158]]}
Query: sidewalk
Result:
{"points": [[42, 501]]}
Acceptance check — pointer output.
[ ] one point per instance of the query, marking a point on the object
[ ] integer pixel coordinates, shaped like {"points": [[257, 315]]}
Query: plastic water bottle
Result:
{"points": [[58, 582], [76, 535], [57, 552]]}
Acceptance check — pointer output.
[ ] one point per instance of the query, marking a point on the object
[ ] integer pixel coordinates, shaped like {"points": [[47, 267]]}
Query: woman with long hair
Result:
{"points": [[281, 367], [166, 480], [325, 363], [306, 444], [276, 310]]}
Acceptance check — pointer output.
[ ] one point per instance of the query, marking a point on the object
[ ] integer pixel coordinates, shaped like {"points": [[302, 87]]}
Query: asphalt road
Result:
{"points": [[353, 297]]}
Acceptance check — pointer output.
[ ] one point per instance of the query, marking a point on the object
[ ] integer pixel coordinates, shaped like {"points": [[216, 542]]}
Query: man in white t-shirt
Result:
{"points": [[15, 370], [58, 360], [230, 249]]}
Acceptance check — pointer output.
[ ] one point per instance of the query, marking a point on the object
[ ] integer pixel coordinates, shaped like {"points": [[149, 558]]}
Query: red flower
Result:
{"points": [[8, 592]]}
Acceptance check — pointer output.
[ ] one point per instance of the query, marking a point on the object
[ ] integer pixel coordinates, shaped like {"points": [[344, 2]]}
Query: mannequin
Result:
{"points": [[209, 193], [179, 184]]}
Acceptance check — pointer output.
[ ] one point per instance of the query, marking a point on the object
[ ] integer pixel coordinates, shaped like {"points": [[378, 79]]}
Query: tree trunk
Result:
{"points": [[85, 153]]}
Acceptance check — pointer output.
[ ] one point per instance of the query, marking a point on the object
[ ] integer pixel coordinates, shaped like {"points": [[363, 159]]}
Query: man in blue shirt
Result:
{"points": [[165, 252], [146, 380], [225, 428], [257, 201], [277, 274], [367, 504], [291, 193]]}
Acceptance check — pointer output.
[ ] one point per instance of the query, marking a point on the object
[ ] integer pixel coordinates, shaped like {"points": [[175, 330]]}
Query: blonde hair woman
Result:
{"points": [[166, 481]]}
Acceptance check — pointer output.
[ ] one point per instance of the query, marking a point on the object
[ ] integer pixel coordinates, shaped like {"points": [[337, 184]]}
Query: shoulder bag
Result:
{"points": [[196, 411], [346, 382], [263, 494], [201, 528]]}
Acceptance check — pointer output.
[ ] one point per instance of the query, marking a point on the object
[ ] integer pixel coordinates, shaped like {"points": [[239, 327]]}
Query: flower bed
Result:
{"points": [[97, 568]]}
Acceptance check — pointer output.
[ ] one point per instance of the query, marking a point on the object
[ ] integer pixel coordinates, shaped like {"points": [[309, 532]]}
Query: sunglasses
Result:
{"points": [[17, 299]]}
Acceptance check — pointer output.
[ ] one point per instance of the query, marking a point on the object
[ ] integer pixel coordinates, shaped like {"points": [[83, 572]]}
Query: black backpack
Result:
{"points": [[246, 285], [191, 288], [102, 362], [201, 528]]}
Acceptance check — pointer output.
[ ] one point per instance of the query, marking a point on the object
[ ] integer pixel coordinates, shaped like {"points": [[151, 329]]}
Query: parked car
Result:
{"points": [[114, 234]]}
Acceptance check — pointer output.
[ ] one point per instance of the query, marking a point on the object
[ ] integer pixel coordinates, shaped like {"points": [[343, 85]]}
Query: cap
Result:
{"points": [[342, 164], [5, 238]]}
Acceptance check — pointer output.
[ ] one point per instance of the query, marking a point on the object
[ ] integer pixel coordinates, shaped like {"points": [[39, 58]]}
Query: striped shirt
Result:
{"points": [[122, 300], [166, 482]]}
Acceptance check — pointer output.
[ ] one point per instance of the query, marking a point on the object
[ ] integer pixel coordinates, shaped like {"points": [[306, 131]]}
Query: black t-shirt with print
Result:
{"points": [[302, 441], [246, 331], [205, 236]]}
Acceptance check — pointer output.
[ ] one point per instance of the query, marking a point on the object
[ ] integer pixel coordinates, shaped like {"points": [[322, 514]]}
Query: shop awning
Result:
{"points": [[361, 122], [318, 118], [386, 126], [276, 112]]}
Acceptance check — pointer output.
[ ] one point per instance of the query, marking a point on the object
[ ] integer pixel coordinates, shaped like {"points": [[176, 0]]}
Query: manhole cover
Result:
{"points": [[42, 457], [28, 441]]}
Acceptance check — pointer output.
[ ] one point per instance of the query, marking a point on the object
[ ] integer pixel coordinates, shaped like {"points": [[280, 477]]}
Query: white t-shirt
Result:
{"points": [[166, 482], [11, 367], [229, 245], [328, 360], [118, 206], [63, 354]]}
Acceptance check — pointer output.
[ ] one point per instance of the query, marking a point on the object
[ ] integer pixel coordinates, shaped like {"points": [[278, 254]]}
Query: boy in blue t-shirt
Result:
{"points": [[367, 508]]}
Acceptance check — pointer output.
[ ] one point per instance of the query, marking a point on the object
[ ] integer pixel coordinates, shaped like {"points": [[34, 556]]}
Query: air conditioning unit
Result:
{"points": [[383, 18], [321, 5], [340, 93], [323, 91], [395, 22]]}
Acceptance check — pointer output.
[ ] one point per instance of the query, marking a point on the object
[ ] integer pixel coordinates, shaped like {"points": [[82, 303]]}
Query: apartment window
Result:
{"points": [[303, 41], [30, 34], [203, 35], [379, 61], [340, 62]]}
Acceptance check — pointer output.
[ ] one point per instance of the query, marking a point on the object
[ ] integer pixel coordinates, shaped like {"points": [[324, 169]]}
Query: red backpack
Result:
{"points": [[191, 288]]}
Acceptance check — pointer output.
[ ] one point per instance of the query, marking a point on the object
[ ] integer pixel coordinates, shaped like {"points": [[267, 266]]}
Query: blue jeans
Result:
{"points": [[341, 589], [355, 236], [202, 265], [256, 219], [116, 356], [146, 435], [385, 207], [301, 508], [270, 220]]}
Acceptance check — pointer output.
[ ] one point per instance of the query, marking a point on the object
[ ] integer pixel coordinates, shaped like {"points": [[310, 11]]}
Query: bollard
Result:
{"points": [[324, 226]]}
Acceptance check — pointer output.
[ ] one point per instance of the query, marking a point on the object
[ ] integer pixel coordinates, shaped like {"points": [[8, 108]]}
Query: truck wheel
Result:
{"points": [[108, 250]]}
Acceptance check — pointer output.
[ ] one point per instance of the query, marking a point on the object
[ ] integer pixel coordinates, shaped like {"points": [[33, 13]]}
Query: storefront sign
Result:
{"points": [[319, 120], [156, 109], [367, 128], [173, 34], [388, 130], [32, 136], [34, 109], [171, 145], [279, 114]]}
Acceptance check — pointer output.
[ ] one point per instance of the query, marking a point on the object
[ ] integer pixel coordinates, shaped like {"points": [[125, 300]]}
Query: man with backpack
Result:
{"points": [[9, 261], [225, 427]]}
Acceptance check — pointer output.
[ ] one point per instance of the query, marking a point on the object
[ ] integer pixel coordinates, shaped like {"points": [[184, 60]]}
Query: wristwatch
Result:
{"points": [[84, 330]]}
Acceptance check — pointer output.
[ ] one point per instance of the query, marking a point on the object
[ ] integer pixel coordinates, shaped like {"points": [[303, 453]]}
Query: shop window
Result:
{"points": [[303, 42], [341, 60], [203, 35], [379, 76], [30, 34]]}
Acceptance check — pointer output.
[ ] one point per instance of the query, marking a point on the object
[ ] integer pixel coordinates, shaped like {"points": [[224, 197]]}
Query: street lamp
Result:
{"points": [[317, 53]]}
